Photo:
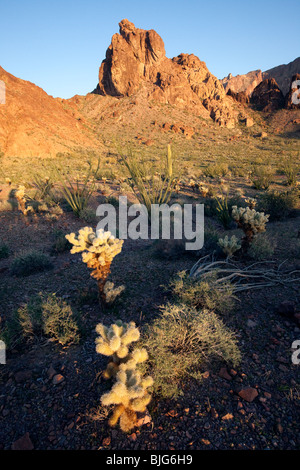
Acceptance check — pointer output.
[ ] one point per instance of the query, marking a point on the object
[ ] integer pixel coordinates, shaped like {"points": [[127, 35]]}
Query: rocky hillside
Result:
{"points": [[33, 123], [136, 58]]}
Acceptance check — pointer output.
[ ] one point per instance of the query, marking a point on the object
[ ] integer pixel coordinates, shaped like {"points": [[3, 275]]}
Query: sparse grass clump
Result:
{"points": [[43, 315], [27, 263], [180, 341]]}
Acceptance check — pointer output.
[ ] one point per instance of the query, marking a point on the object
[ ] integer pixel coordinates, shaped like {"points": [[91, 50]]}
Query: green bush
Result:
{"points": [[290, 168], [43, 315], [279, 205], [216, 170], [262, 176], [180, 341], [61, 244], [261, 247], [27, 263], [202, 294], [88, 215]]}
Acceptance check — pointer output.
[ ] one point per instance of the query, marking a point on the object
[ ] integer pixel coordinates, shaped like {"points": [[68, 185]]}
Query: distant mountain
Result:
{"points": [[247, 82]]}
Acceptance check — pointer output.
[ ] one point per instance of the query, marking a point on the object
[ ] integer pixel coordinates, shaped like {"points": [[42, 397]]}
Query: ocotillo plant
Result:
{"points": [[98, 251], [129, 394]]}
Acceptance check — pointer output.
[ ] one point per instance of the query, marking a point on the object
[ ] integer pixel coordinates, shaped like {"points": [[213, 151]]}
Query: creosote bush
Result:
{"points": [[180, 341], [44, 315], [202, 294], [129, 394], [27, 263], [261, 176], [279, 205]]}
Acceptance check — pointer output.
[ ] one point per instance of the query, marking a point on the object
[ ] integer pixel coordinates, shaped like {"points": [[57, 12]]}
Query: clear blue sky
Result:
{"points": [[59, 44]]}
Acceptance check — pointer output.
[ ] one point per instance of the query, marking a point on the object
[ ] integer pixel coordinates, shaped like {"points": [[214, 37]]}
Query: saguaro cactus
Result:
{"points": [[98, 251]]}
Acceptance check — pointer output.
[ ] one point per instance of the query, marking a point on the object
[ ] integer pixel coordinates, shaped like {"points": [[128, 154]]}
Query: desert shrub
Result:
{"points": [[61, 244], [88, 215], [27, 263], [4, 251], [211, 238], [180, 341], [261, 176], [290, 168], [216, 170], [43, 315], [202, 294], [279, 205], [261, 248]]}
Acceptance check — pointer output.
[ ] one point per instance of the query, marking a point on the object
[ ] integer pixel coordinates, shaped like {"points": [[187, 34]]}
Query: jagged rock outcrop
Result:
{"points": [[267, 96], [241, 97], [136, 58], [292, 98], [242, 83]]}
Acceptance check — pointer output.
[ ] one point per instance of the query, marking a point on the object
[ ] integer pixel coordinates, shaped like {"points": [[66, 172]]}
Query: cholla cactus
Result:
{"points": [[229, 245], [22, 199], [251, 202], [129, 393], [114, 341], [204, 190], [111, 292], [130, 396], [98, 251], [251, 222]]}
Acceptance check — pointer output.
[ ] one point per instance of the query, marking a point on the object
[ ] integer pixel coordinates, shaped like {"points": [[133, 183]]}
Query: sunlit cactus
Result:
{"points": [[129, 393], [229, 245], [251, 222], [98, 250], [251, 202], [22, 199], [169, 162]]}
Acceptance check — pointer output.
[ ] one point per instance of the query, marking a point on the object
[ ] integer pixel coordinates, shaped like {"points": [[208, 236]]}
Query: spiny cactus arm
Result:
{"points": [[131, 334], [116, 396], [118, 411], [139, 404], [103, 347]]}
